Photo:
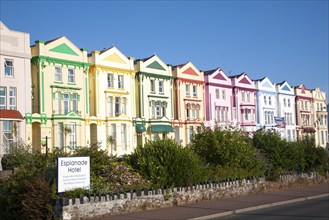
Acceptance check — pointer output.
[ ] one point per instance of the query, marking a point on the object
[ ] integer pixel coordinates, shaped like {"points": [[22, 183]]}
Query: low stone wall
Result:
{"points": [[120, 203]]}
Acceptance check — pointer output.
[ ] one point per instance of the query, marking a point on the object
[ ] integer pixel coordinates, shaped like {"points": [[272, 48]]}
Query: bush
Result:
{"points": [[228, 148], [167, 164]]}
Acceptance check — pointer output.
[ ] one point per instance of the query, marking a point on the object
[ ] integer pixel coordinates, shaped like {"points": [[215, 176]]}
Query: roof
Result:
{"points": [[208, 72], [237, 76], [144, 59], [10, 114]]}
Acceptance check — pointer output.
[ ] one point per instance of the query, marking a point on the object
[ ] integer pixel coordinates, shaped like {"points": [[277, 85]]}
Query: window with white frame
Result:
{"points": [[9, 68], [120, 82], [288, 102], [265, 100], [321, 119], [152, 85], [152, 106], [124, 137], [74, 102], [243, 94], [289, 135], [3, 97], [223, 94], [66, 103], [197, 110], [234, 113], [217, 93], [164, 107], [158, 109], [284, 102], [306, 105], [12, 98], [70, 75], [217, 113], [8, 137], [114, 136], [187, 89], [110, 106], [117, 106], [110, 80], [192, 115], [58, 74], [191, 133], [248, 96], [322, 137], [245, 114], [161, 87], [60, 135], [318, 106], [57, 102], [124, 106], [195, 91], [270, 100], [73, 135], [188, 109]]}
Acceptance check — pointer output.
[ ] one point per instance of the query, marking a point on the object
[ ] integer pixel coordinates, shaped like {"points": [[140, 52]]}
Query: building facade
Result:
{"points": [[304, 111], [243, 103], [266, 97], [154, 100], [112, 101], [320, 117], [189, 95], [60, 101], [218, 98], [286, 109], [15, 88]]}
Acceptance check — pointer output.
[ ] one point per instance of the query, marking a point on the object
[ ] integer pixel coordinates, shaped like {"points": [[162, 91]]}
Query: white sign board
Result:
{"points": [[73, 172]]}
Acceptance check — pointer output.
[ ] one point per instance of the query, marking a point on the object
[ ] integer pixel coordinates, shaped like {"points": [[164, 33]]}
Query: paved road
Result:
{"points": [[223, 207], [312, 209]]}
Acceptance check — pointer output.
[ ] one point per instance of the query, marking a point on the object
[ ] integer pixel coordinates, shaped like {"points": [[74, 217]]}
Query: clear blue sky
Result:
{"points": [[283, 40]]}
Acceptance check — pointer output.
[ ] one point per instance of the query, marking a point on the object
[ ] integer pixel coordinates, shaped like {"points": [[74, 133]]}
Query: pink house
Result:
{"points": [[218, 98], [243, 102]]}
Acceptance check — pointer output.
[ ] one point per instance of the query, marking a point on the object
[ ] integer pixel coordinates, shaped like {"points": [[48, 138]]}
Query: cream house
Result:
{"points": [[320, 117], [112, 101], [15, 88]]}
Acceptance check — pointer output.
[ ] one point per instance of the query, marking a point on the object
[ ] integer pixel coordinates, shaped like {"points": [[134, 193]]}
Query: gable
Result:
{"points": [[155, 65], [286, 88], [244, 80], [219, 76], [267, 85], [190, 71], [64, 48], [115, 58]]}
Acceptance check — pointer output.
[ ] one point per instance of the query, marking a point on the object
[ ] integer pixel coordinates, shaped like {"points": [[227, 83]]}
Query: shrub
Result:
{"points": [[167, 164], [37, 201], [227, 148]]}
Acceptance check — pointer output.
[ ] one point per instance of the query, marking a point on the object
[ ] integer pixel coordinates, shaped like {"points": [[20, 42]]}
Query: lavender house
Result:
{"points": [[218, 98]]}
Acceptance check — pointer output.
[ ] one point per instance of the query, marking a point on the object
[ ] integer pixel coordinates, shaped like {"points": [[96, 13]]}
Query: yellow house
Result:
{"points": [[60, 101], [112, 101]]}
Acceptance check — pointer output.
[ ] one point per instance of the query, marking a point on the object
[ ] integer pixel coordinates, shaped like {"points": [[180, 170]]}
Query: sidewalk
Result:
{"points": [[216, 208]]}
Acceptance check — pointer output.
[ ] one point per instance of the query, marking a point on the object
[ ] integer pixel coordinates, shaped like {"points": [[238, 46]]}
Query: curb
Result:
{"points": [[258, 207]]}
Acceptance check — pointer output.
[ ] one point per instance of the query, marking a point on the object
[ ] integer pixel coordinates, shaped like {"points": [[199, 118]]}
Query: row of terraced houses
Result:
{"points": [[55, 92]]}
